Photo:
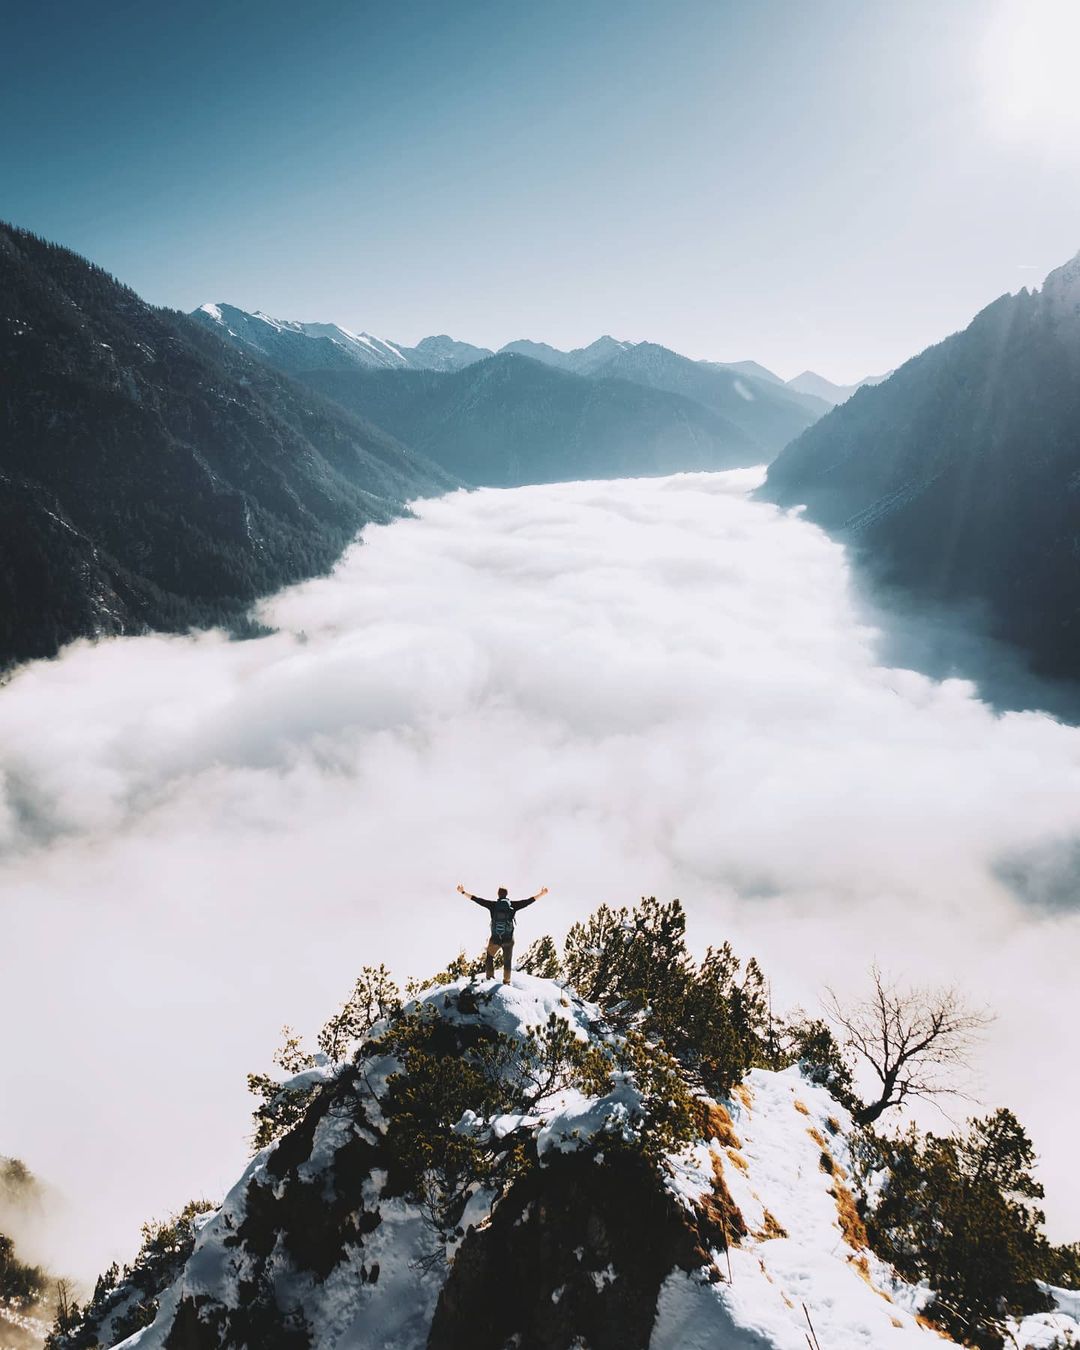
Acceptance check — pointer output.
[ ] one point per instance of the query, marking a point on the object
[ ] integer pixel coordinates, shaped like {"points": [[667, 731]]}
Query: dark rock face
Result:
{"points": [[574, 1254], [299, 1224], [315, 1218], [258, 1321], [151, 476], [959, 477]]}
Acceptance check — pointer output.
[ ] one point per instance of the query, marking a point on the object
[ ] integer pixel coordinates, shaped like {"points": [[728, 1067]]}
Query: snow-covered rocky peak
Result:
{"points": [[285, 337], [310, 346], [365, 347], [569, 1226]]}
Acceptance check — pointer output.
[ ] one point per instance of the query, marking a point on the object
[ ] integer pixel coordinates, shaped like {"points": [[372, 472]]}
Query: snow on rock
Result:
{"points": [[367, 1279], [580, 1120], [365, 347], [373, 1291], [746, 1239], [1047, 1331], [784, 1165], [515, 1009], [1067, 1300], [1055, 1330], [804, 1260]]}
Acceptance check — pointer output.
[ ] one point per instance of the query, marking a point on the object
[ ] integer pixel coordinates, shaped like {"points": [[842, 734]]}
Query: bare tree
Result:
{"points": [[916, 1041], [67, 1310]]}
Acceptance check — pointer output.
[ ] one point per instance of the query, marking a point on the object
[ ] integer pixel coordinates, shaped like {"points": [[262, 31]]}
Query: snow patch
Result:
{"points": [[619, 1112], [785, 1162]]}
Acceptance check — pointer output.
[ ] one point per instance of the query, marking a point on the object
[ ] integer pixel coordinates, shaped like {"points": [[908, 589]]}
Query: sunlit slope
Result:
{"points": [[959, 477]]}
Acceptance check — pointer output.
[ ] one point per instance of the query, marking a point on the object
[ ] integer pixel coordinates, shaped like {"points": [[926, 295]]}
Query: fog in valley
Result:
{"points": [[615, 689]]}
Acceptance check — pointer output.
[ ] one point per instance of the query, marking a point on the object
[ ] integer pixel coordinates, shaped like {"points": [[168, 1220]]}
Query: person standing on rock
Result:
{"points": [[503, 914]]}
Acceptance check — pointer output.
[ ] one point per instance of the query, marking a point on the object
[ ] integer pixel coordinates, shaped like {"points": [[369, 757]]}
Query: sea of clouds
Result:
{"points": [[613, 689]]}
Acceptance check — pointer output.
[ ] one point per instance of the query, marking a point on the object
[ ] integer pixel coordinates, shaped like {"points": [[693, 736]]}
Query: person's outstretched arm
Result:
{"points": [[521, 904], [474, 898]]}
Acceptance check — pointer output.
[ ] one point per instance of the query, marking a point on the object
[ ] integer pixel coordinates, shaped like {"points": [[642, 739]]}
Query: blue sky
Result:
{"points": [[832, 185]]}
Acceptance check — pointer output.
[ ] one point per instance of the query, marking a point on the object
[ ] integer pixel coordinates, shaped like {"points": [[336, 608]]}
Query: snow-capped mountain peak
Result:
{"points": [[369, 350], [298, 346]]}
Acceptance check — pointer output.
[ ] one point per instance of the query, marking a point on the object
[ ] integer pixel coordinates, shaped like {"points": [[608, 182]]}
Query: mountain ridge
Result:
{"points": [[956, 479], [152, 476], [809, 382], [771, 414], [566, 1208], [762, 409], [511, 420], [445, 353]]}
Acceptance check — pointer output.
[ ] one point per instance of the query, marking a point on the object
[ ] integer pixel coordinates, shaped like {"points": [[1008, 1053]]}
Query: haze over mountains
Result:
{"points": [[558, 426], [959, 477], [580, 361], [296, 347], [819, 387], [154, 475], [508, 421], [161, 470]]}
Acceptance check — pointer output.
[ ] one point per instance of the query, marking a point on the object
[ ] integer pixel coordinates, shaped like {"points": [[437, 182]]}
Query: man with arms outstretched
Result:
{"points": [[503, 913]]}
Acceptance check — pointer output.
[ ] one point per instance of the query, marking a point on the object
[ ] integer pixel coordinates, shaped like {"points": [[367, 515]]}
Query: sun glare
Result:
{"points": [[1032, 70]]}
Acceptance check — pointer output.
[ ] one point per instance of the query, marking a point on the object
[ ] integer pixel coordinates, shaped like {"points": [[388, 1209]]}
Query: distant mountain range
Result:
{"points": [[162, 471], [511, 420], [580, 361], [760, 414], [819, 387], [152, 476], [771, 415], [959, 477], [296, 347]]}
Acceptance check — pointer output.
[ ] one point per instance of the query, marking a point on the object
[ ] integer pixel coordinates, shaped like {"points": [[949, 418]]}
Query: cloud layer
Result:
{"points": [[616, 689]]}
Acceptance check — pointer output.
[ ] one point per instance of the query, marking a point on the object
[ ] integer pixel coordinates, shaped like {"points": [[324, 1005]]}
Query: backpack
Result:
{"points": [[502, 922]]}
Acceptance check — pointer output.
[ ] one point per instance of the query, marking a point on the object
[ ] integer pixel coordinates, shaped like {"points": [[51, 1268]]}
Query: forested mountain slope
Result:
{"points": [[27, 1302], [959, 477], [511, 420], [757, 408], [770, 414], [293, 347], [154, 476]]}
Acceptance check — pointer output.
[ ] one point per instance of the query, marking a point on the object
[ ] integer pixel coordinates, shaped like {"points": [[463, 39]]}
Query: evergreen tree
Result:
{"points": [[959, 1211]]}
